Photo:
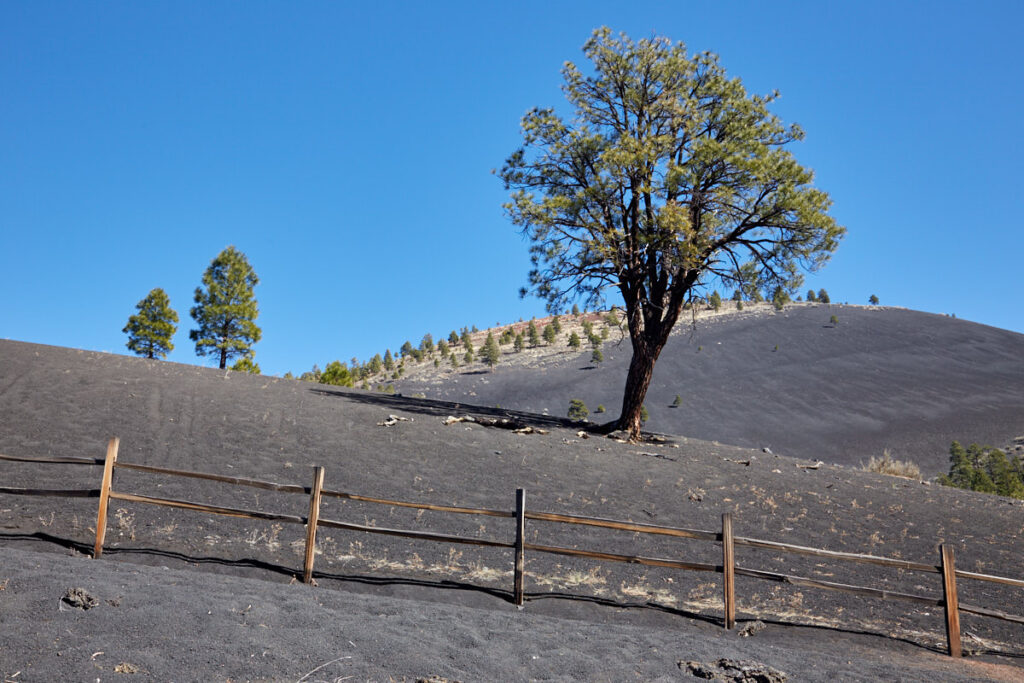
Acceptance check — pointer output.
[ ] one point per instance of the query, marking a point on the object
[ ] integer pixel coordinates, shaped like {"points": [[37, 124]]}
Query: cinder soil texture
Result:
{"points": [[792, 381], [187, 596]]}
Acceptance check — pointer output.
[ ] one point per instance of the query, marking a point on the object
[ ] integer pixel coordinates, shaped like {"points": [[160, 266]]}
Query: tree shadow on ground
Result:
{"points": [[440, 408]]}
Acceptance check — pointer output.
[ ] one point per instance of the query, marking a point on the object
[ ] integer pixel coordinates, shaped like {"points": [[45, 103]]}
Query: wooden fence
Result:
{"points": [[729, 569]]}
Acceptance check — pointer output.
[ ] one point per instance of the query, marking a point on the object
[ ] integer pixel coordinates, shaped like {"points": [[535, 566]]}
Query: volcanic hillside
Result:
{"points": [[188, 596], [877, 379]]}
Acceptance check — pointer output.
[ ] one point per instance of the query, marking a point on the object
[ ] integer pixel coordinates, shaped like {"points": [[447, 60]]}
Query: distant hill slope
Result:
{"points": [[881, 378]]}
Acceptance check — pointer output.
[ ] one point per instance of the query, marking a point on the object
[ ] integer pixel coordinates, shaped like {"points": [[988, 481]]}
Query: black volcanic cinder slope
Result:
{"points": [[62, 402], [881, 378]]}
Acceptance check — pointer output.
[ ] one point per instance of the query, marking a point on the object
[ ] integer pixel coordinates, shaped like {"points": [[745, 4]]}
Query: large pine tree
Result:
{"points": [[226, 309], [150, 330]]}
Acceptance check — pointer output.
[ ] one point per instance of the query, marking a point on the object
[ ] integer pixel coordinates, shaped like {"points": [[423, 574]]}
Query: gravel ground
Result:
{"points": [[407, 609]]}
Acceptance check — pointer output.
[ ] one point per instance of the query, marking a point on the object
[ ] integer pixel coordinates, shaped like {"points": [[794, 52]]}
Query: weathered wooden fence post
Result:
{"points": [[950, 600], [519, 550], [101, 515], [728, 571], [311, 521]]}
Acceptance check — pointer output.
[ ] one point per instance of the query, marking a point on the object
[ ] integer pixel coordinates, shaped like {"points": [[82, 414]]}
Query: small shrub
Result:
{"points": [[873, 300], [823, 296], [644, 415], [833, 320], [716, 300], [578, 409], [574, 341], [678, 401], [896, 468], [599, 408], [597, 356]]}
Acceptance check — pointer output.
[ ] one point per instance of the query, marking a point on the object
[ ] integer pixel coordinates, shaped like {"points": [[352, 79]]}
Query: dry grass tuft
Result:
{"points": [[896, 468]]}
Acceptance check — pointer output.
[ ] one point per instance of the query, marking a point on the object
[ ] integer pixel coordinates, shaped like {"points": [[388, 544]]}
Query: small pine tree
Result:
{"points": [[811, 296], [427, 343], [739, 305], [376, 363], [612, 318], [599, 408], [389, 361], [575, 309], [549, 334], [556, 324], [406, 349], [780, 298], [532, 335], [151, 329], [491, 352], [578, 409], [833, 320], [574, 341], [518, 343], [288, 375], [454, 360], [716, 300], [443, 348], [678, 401], [246, 364], [338, 374], [597, 356], [453, 338], [823, 296], [873, 300], [466, 338], [468, 358], [737, 295]]}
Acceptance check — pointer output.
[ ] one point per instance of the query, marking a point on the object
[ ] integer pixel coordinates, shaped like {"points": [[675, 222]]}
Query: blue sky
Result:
{"points": [[348, 149]]}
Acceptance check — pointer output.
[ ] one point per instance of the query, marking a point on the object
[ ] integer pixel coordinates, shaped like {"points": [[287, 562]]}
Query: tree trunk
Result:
{"points": [[223, 359], [641, 369]]}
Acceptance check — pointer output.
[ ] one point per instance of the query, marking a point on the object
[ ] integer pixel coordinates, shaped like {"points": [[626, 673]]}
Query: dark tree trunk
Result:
{"points": [[223, 358], [638, 379]]}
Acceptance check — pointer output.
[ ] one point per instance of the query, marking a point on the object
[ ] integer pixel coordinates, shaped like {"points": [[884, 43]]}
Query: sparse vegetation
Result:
{"points": [[578, 409], [678, 401], [873, 300], [823, 296], [896, 468], [833, 320], [597, 356], [574, 341], [716, 300], [599, 408]]}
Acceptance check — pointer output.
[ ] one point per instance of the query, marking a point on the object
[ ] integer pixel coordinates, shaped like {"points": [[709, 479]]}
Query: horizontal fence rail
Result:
{"points": [[729, 569]]}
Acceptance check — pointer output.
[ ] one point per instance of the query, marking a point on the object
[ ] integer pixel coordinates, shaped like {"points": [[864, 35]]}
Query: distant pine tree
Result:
{"points": [[574, 341], [811, 296], [151, 329], [532, 335], [226, 308], [491, 352], [549, 334], [823, 296]]}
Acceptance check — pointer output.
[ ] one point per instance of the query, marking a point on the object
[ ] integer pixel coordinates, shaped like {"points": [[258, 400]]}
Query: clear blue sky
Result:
{"points": [[347, 149]]}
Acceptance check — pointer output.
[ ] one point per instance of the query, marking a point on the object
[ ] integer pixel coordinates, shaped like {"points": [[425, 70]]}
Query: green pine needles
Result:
{"points": [[151, 329], [226, 309], [984, 469]]}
